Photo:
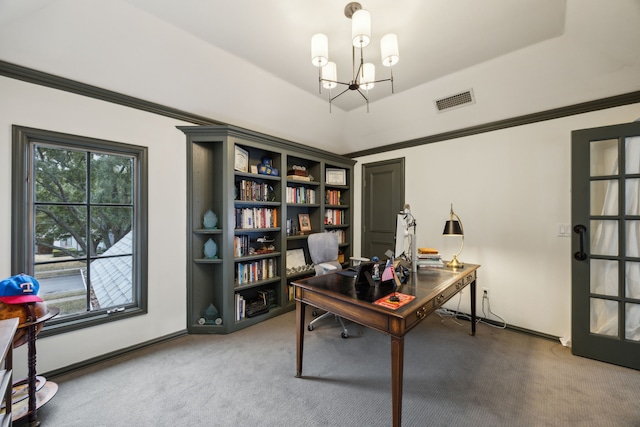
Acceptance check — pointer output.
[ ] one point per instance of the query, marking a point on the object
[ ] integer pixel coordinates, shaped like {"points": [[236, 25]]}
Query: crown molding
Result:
{"points": [[45, 79], [30, 75], [556, 113]]}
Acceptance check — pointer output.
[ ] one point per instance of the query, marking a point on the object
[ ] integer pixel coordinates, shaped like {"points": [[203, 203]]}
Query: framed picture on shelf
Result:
{"points": [[336, 176], [241, 162], [305, 223]]}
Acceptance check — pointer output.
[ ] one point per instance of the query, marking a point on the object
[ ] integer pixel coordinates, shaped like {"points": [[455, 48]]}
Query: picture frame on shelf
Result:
{"points": [[241, 159], [335, 176], [305, 222]]}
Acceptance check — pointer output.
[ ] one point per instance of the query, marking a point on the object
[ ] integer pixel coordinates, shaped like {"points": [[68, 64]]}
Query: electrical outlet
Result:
{"points": [[485, 292]]}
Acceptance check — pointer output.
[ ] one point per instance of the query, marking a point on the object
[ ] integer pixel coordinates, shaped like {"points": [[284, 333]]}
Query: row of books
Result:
{"points": [[256, 218], [254, 191], [301, 195], [332, 197], [261, 269], [334, 216], [241, 245]]}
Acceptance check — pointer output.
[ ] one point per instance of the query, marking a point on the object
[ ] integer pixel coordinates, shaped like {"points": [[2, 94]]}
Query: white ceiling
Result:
{"points": [[247, 62]]}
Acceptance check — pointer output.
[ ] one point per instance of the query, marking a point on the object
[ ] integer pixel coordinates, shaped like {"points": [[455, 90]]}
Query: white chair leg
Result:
{"points": [[345, 332]]}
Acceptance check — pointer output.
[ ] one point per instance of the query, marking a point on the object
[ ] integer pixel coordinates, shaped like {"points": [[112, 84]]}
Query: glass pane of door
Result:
{"points": [[632, 323], [604, 277], [604, 239], [604, 197], [604, 317], [604, 157]]}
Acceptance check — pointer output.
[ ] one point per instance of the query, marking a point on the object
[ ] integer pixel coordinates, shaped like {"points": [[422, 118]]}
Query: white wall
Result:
{"points": [[511, 189], [40, 107]]}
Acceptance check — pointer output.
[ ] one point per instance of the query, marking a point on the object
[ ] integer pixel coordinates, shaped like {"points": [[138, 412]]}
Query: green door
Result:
{"points": [[382, 199], [606, 244]]}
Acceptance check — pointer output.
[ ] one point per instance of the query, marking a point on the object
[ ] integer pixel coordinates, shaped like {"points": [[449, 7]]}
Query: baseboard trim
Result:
{"points": [[466, 316], [104, 357]]}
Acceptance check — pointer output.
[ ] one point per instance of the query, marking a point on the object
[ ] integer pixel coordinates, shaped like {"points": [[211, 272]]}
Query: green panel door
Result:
{"points": [[606, 244], [382, 199]]}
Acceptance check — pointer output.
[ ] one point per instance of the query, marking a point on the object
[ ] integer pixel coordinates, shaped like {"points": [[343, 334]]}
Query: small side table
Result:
{"points": [[48, 389]]}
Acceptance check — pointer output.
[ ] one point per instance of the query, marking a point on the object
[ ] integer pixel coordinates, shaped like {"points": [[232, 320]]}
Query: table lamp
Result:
{"points": [[453, 227]]}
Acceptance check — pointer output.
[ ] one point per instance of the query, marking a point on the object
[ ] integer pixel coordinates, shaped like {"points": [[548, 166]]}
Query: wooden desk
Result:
{"points": [[338, 294]]}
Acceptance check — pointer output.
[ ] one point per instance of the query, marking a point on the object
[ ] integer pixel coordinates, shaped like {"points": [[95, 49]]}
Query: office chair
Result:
{"points": [[323, 248]]}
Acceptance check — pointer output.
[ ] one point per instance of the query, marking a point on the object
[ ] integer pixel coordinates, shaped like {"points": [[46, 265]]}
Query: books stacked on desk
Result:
{"points": [[429, 257]]}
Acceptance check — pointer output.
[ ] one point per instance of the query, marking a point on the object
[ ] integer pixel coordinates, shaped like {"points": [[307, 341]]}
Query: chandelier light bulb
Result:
{"points": [[368, 76], [361, 28], [389, 50], [319, 50], [329, 72]]}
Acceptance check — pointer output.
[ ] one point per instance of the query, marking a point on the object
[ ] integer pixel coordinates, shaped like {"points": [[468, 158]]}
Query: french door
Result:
{"points": [[606, 244]]}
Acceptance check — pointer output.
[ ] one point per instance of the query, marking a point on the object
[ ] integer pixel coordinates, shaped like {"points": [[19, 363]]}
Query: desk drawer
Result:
{"points": [[435, 303]]}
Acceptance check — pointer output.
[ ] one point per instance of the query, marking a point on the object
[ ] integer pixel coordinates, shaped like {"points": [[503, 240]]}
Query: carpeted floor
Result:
{"points": [[497, 378]]}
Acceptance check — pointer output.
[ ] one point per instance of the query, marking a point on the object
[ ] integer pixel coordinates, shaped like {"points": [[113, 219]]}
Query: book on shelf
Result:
{"points": [[299, 178], [240, 306]]}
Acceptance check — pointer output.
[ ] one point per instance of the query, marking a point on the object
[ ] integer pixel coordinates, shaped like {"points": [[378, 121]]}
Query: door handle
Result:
{"points": [[581, 230]]}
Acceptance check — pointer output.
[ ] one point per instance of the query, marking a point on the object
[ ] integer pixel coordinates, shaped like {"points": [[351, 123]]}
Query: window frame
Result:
{"points": [[22, 218]]}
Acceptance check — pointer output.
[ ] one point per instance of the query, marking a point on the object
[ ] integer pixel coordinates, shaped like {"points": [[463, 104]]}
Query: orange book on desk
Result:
{"points": [[403, 299]]}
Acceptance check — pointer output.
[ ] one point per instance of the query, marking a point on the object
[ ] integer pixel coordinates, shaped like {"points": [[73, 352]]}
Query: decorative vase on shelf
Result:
{"points": [[210, 219], [210, 249]]}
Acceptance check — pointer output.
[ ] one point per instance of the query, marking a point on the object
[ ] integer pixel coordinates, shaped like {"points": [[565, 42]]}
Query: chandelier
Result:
{"points": [[363, 74]]}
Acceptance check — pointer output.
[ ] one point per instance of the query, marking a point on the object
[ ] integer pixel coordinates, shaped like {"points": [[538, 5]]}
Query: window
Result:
{"points": [[79, 225]]}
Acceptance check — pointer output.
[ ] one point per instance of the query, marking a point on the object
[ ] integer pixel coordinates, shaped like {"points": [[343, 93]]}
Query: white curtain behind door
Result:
{"points": [[604, 275]]}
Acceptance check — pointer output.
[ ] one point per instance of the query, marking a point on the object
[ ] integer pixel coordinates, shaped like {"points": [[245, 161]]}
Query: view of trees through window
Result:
{"points": [[83, 219]]}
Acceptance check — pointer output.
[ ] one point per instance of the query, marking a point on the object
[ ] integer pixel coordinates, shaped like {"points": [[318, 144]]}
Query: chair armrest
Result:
{"points": [[356, 260], [327, 266]]}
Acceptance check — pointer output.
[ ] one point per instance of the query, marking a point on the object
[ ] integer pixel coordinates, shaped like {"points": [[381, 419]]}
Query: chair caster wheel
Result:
{"points": [[310, 328], [345, 335]]}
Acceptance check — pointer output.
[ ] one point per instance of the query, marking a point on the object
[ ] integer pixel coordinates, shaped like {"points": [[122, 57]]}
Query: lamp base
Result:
{"points": [[454, 263]]}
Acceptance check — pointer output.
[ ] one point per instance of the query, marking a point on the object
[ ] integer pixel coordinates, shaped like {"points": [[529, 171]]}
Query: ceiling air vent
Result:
{"points": [[455, 101]]}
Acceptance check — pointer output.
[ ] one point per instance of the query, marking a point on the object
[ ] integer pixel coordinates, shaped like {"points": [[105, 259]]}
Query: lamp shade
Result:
{"points": [[452, 227], [361, 28], [319, 50], [329, 72], [368, 76], [389, 50]]}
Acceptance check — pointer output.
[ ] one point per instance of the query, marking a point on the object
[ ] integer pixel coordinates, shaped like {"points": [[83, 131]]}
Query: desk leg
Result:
{"points": [[473, 308], [397, 361], [300, 309]]}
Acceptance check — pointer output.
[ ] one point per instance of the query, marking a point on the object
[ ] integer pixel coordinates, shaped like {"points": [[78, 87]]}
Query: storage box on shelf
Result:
{"points": [[261, 188]]}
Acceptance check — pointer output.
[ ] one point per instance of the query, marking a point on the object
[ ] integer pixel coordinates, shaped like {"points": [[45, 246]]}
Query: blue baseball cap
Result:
{"points": [[19, 289]]}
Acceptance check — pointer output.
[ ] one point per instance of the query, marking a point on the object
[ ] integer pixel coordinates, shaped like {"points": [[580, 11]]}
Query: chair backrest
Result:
{"points": [[323, 249]]}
